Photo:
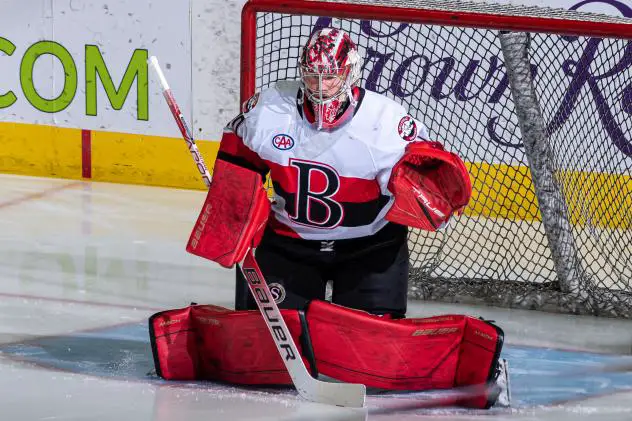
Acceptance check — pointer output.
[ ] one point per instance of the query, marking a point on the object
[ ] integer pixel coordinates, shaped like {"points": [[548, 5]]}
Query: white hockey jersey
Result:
{"points": [[327, 185]]}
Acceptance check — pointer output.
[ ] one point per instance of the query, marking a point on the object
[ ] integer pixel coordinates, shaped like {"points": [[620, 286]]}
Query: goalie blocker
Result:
{"points": [[233, 216], [205, 342]]}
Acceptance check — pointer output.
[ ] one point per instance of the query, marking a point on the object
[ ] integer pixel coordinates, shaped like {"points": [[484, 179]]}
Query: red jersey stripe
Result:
{"points": [[281, 228]]}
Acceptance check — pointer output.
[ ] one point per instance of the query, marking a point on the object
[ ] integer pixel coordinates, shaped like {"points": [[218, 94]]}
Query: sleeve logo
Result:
{"points": [[407, 128], [250, 103], [283, 142]]}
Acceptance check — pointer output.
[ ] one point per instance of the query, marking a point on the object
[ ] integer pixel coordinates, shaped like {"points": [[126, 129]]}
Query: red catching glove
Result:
{"points": [[430, 184]]}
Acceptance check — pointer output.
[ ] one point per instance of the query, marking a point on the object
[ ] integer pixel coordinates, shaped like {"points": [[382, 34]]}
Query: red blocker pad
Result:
{"points": [[429, 184], [233, 215], [205, 342], [213, 343]]}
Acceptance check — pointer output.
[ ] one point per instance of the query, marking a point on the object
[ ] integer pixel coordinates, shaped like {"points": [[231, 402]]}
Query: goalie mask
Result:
{"points": [[330, 68]]}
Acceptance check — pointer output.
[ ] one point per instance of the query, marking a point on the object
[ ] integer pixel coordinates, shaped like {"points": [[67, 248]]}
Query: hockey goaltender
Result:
{"points": [[351, 171]]}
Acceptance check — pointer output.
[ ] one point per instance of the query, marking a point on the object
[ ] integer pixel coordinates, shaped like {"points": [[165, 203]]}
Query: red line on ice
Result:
{"points": [[37, 195], [70, 301]]}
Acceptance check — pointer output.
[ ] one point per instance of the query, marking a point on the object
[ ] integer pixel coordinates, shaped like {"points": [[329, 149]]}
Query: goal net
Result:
{"points": [[538, 102]]}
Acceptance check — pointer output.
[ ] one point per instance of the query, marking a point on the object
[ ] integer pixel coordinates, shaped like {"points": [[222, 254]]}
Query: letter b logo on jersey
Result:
{"points": [[314, 206]]}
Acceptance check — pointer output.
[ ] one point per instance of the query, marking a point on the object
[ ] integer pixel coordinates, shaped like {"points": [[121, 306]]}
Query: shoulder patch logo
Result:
{"points": [[250, 103], [235, 123], [283, 142], [407, 128]]}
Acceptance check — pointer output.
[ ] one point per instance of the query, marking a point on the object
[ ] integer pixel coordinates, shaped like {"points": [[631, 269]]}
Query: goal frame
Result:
{"points": [[407, 15], [574, 287]]}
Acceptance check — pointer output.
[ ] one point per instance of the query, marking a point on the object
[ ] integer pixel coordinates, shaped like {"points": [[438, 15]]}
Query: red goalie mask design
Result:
{"points": [[329, 68]]}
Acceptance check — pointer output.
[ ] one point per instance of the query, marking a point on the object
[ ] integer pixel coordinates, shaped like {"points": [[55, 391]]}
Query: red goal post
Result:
{"points": [[539, 103]]}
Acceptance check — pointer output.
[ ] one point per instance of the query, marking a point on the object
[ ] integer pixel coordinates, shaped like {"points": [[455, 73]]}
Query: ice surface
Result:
{"points": [[83, 265]]}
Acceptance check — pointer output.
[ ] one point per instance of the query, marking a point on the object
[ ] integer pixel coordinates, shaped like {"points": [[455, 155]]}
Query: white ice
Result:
{"points": [[84, 264]]}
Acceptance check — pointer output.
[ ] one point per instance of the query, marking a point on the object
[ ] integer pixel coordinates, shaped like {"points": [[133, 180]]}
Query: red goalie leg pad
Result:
{"points": [[480, 351], [206, 342], [173, 344], [233, 215], [406, 354]]}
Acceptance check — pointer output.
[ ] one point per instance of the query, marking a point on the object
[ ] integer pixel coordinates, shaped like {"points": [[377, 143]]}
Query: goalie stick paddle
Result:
{"points": [[341, 394]]}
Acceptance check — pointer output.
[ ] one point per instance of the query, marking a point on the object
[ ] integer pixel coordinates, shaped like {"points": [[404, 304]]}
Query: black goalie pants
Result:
{"points": [[369, 273]]}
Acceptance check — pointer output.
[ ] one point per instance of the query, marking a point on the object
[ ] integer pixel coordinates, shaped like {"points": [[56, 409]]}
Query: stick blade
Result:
{"points": [[340, 394]]}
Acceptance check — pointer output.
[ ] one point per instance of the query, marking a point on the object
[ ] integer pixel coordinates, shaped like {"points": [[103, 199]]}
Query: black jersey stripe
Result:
{"points": [[242, 162]]}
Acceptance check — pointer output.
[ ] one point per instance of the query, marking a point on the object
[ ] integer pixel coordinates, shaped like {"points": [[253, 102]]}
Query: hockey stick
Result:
{"points": [[448, 398], [451, 397], [181, 122], [341, 394]]}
